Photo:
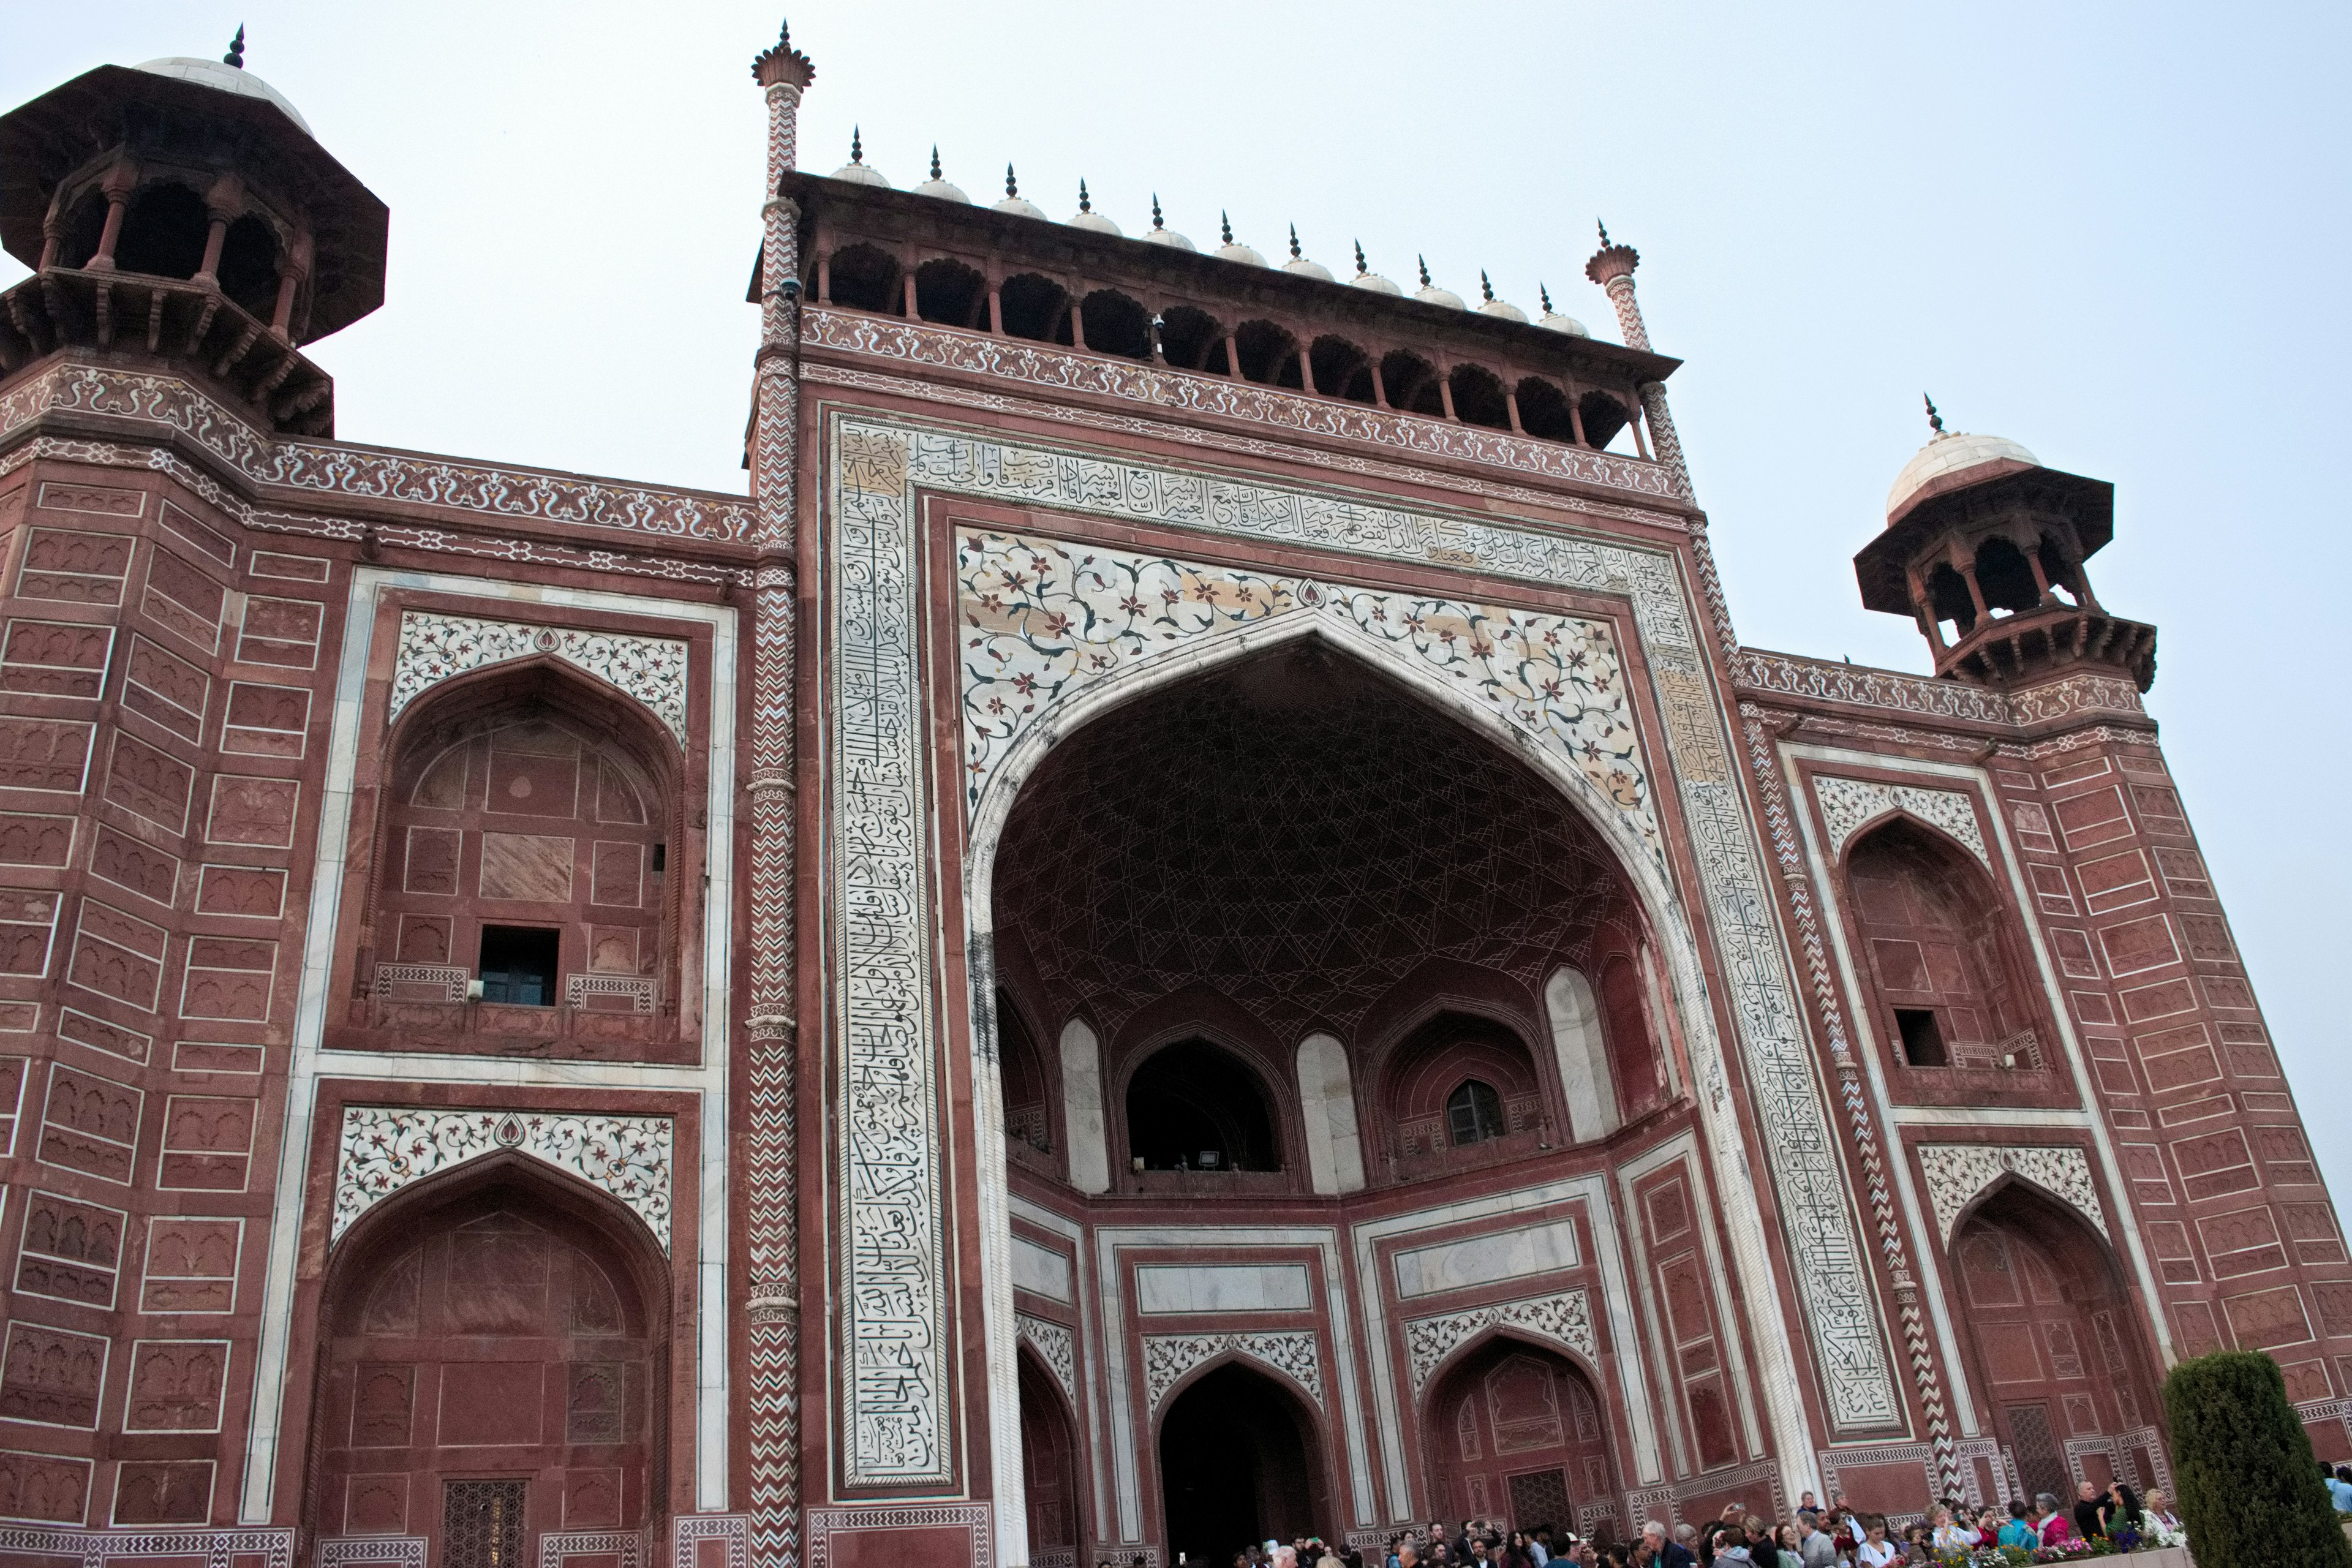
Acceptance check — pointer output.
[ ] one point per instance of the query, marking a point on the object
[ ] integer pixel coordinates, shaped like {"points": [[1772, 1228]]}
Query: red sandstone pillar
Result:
{"points": [[771, 1183], [1612, 267]]}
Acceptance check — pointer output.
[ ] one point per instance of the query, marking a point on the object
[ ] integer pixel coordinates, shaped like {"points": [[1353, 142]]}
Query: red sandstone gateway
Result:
{"points": [[1190, 927]]}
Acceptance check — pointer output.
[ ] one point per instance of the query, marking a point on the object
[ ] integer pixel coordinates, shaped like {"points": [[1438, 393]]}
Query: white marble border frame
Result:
{"points": [[1928, 1250], [311, 1061], [1609, 1257], [1682, 1149], [1347, 1421]]}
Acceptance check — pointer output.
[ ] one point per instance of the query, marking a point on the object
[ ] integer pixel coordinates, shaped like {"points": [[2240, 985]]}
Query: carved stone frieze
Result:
{"points": [[1848, 805], [1565, 1318], [1297, 1354], [1056, 1346], [434, 647], [385, 1148], [1957, 1173]]}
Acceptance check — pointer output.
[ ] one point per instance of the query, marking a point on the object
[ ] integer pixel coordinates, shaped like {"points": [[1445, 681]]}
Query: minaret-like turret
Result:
{"points": [[1981, 537], [179, 214]]}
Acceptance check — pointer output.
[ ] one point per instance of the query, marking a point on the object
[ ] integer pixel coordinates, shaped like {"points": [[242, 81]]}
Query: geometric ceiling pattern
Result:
{"points": [[1298, 834]]}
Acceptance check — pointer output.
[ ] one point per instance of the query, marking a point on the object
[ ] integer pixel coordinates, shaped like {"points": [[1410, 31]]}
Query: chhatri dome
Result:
{"points": [[1948, 455], [228, 74], [1555, 320], [1302, 265], [1085, 218], [1431, 294], [1159, 233], [1016, 203], [938, 185], [1490, 306], [1366, 278], [1233, 250], [857, 170]]}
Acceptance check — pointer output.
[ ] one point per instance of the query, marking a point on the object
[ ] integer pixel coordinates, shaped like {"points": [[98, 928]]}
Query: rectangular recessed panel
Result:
{"points": [[1486, 1260], [490, 1403], [532, 867], [1040, 1269], [1223, 1288]]}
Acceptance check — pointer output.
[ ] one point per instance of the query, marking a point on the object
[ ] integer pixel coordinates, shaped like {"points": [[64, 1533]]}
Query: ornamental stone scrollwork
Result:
{"points": [[385, 1148], [1055, 1346], [1565, 1320], [1168, 1357], [894, 1324], [1847, 804], [358, 473], [1957, 1173], [1793, 675], [434, 647], [1040, 617]]}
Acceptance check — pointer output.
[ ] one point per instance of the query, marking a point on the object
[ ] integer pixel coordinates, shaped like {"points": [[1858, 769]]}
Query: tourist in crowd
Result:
{"points": [[2019, 1529], [2119, 1514], [2156, 1509], [2056, 1524], [1816, 1549], [2339, 1486], [2088, 1505], [1875, 1551]]}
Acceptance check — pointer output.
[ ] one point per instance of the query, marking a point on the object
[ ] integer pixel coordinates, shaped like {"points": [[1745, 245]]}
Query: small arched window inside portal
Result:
{"points": [[1474, 1113]]}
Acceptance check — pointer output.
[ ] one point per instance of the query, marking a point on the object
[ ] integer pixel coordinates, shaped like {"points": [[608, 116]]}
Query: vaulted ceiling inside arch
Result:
{"points": [[1298, 834]]}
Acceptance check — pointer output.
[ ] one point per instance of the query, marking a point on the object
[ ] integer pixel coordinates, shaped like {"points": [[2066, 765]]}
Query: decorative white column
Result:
{"points": [[771, 1180]]}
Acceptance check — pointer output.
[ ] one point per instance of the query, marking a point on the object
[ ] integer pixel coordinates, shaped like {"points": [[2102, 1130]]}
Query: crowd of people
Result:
{"points": [[1837, 1536]]}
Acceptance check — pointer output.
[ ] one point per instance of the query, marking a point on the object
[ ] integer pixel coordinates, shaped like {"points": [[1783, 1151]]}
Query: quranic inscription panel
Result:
{"points": [[893, 1340]]}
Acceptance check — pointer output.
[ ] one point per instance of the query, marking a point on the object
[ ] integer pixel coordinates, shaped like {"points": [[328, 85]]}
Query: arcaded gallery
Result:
{"points": [[1189, 925]]}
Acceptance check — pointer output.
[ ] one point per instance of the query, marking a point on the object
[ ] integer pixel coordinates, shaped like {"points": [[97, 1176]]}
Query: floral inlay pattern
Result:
{"points": [[1040, 617], [434, 647], [1168, 1357], [1957, 1173], [1848, 805], [1565, 1318], [385, 1148]]}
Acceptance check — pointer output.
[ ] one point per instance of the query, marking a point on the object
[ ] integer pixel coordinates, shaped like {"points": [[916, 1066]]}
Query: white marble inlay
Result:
{"points": [[1162, 1288], [434, 647], [1487, 1260], [1041, 1269]]}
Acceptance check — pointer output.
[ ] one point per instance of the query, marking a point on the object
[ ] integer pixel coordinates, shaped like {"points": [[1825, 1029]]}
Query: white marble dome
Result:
{"points": [[1016, 203], [1233, 250], [1159, 233], [1952, 452], [1559, 323], [940, 187], [1501, 310], [1085, 218], [227, 78], [1374, 282], [1431, 294]]}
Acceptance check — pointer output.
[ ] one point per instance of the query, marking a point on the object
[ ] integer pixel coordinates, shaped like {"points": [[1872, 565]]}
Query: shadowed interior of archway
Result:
{"points": [[1237, 1464]]}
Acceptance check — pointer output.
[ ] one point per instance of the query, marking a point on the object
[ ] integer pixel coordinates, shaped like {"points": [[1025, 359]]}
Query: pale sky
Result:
{"points": [[2114, 232]]}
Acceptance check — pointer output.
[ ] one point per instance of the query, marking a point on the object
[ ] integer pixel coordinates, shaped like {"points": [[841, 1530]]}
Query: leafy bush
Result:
{"points": [[2250, 1492]]}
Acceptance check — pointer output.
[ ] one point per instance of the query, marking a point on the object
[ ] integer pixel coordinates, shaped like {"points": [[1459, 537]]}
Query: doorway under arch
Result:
{"points": [[2054, 1335], [1518, 1432], [1049, 1467], [487, 1374], [1238, 1462]]}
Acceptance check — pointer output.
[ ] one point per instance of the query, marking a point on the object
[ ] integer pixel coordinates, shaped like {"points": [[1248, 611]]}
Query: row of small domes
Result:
{"points": [[857, 170]]}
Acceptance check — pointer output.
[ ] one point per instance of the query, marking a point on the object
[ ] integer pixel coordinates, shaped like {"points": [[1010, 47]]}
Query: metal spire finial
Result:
{"points": [[1935, 420], [1361, 268], [1485, 287], [1604, 233], [935, 160], [236, 56], [1424, 269], [1227, 219], [1294, 242], [1544, 293], [1010, 189], [1157, 221], [1086, 203], [857, 149]]}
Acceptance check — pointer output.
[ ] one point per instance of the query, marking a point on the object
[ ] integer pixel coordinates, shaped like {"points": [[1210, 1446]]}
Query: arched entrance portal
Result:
{"points": [[1049, 1467], [1238, 1462], [1516, 1432], [2054, 1338], [487, 1376]]}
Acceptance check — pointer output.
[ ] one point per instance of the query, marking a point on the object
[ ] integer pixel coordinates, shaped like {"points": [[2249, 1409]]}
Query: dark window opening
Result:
{"points": [[1034, 308], [1195, 1107], [1923, 1039], [950, 293], [661, 858], [1270, 355], [2005, 578], [84, 227], [2063, 582], [864, 279], [1192, 340], [163, 233], [1543, 411], [1412, 383], [1949, 600], [1116, 324], [248, 266], [1341, 370], [519, 966], [1604, 416], [1479, 397], [1474, 1113]]}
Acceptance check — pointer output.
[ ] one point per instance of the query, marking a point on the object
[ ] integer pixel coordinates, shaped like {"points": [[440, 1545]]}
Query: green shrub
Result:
{"points": [[2251, 1496]]}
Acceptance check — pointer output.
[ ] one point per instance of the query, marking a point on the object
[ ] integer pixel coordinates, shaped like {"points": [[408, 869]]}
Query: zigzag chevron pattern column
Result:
{"points": [[1925, 1375], [772, 1147]]}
